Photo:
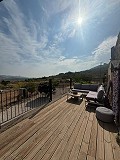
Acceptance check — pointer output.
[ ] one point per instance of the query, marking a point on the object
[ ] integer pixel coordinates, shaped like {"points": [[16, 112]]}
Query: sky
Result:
{"points": [[47, 37]]}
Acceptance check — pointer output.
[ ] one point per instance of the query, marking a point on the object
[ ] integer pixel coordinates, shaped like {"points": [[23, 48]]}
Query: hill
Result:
{"points": [[11, 78], [93, 74]]}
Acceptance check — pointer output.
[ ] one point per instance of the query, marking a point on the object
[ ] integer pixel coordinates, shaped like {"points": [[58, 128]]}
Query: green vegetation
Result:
{"points": [[5, 82], [31, 87], [94, 75]]}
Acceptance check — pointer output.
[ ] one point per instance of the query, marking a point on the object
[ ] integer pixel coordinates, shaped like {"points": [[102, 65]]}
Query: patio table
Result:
{"points": [[76, 95]]}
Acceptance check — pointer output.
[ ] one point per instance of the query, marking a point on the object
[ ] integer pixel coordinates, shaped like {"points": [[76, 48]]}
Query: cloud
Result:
{"points": [[54, 65], [55, 6], [92, 12], [103, 52], [24, 38], [8, 49], [23, 42], [26, 48]]}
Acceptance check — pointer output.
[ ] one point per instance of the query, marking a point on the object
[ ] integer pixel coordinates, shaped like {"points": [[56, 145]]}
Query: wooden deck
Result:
{"points": [[61, 131]]}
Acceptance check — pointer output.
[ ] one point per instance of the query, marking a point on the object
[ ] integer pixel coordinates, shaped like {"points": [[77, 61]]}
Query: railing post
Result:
{"points": [[50, 89], [70, 83], [1, 105]]}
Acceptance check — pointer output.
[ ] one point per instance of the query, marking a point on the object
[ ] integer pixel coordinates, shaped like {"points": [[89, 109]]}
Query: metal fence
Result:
{"points": [[13, 105]]}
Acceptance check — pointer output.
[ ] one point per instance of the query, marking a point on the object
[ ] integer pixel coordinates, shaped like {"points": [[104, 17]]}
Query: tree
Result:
{"points": [[5, 82], [30, 87]]}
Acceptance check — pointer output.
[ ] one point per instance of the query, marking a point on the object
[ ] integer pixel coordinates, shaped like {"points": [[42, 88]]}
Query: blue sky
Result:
{"points": [[46, 37]]}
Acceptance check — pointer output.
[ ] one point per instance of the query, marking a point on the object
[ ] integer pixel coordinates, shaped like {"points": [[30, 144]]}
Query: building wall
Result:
{"points": [[114, 75]]}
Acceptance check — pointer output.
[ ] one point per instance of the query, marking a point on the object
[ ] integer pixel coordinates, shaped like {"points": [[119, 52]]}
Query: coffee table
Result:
{"points": [[77, 95]]}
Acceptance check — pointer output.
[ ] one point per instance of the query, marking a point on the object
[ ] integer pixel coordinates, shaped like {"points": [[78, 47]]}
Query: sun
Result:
{"points": [[79, 21]]}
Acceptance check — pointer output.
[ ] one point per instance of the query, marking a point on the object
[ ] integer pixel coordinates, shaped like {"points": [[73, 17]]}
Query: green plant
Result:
{"points": [[30, 86], [5, 82]]}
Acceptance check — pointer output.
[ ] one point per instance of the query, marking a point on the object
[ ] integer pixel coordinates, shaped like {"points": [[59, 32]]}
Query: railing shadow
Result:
{"points": [[37, 102]]}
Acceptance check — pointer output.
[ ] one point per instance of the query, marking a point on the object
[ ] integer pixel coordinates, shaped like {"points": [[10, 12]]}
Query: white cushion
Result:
{"points": [[91, 95]]}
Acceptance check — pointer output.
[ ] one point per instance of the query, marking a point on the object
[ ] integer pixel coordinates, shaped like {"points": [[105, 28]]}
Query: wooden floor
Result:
{"points": [[61, 131]]}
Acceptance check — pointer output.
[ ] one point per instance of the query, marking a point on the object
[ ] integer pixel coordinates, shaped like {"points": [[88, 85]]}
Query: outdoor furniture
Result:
{"points": [[75, 95], [93, 104], [104, 114], [91, 96], [85, 88], [94, 94], [95, 98]]}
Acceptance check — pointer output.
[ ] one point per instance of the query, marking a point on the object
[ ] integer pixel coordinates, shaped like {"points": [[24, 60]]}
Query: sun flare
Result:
{"points": [[79, 21]]}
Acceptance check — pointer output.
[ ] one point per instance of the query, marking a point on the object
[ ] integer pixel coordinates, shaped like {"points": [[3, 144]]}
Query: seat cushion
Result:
{"points": [[91, 95], [85, 87], [100, 93], [104, 114], [93, 87]]}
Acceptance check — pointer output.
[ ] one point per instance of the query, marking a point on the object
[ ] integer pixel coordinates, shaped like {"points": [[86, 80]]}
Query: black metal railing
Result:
{"points": [[14, 103], [59, 92]]}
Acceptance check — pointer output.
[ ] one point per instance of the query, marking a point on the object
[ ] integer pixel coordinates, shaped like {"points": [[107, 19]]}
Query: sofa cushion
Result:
{"points": [[100, 88], [79, 90], [91, 95], [77, 86], [85, 87], [100, 93], [93, 87]]}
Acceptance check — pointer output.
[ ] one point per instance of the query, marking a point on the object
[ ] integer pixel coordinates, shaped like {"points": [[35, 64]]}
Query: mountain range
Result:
{"points": [[11, 78], [93, 73]]}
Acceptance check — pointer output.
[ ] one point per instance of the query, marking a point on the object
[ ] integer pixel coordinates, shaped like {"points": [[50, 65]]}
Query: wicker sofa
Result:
{"points": [[85, 88], [94, 93]]}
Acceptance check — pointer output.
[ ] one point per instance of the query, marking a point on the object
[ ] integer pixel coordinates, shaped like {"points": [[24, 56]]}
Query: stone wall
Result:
{"points": [[115, 77]]}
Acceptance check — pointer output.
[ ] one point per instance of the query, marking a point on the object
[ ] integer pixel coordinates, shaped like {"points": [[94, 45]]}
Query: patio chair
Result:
{"points": [[96, 98]]}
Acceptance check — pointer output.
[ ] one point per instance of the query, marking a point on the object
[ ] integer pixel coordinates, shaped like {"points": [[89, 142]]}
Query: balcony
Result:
{"points": [[63, 130]]}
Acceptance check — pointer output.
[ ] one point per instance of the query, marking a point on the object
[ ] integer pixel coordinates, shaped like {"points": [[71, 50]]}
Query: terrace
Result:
{"points": [[62, 130]]}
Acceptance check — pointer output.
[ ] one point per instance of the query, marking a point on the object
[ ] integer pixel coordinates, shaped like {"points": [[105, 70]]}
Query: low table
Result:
{"points": [[77, 95]]}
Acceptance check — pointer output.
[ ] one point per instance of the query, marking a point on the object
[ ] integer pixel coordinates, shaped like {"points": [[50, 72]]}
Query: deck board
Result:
{"points": [[65, 146], [93, 138], [64, 140], [34, 131], [61, 131], [100, 142], [42, 136], [55, 133], [69, 146], [77, 145]]}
